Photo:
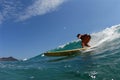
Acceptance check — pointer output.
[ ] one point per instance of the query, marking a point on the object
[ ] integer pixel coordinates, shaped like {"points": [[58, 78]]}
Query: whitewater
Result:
{"points": [[103, 63]]}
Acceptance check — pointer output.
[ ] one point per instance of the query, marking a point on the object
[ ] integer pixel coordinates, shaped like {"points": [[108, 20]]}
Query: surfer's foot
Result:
{"points": [[87, 45]]}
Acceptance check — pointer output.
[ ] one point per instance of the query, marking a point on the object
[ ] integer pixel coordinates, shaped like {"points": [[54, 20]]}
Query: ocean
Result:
{"points": [[103, 63]]}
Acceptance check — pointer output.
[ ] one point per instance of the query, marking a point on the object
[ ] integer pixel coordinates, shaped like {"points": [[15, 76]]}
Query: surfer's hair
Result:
{"points": [[78, 35]]}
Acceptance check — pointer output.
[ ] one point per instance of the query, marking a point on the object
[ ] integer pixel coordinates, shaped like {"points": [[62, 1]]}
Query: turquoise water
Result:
{"points": [[103, 63]]}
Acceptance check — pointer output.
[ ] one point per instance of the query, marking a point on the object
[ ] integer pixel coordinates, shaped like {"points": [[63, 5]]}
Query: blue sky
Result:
{"points": [[31, 27]]}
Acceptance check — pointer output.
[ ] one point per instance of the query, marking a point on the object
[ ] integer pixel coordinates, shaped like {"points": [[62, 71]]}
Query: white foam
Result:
{"points": [[25, 59], [107, 34]]}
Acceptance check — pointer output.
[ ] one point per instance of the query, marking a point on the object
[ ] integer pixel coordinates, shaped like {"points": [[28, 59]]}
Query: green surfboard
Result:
{"points": [[65, 52]]}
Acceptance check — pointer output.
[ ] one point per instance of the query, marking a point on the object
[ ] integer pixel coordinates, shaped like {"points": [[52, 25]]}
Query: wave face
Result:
{"points": [[101, 64]]}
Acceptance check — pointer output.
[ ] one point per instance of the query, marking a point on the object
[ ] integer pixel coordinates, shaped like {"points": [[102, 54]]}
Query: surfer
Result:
{"points": [[85, 39]]}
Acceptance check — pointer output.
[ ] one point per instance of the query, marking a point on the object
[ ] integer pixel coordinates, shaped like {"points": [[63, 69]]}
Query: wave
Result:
{"points": [[103, 41], [103, 64], [99, 39], [107, 35]]}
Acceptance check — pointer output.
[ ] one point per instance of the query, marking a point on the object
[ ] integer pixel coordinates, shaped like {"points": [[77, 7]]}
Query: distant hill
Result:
{"points": [[8, 59]]}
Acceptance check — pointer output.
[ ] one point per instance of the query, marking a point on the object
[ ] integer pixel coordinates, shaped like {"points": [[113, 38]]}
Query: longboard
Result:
{"points": [[65, 52]]}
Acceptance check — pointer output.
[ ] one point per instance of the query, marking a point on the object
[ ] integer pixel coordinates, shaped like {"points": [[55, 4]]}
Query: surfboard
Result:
{"points": [[65, 52]]}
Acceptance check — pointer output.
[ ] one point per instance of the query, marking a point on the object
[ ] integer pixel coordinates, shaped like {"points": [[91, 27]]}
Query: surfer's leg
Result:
{"points": [[82, 45], [87, 41]]}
